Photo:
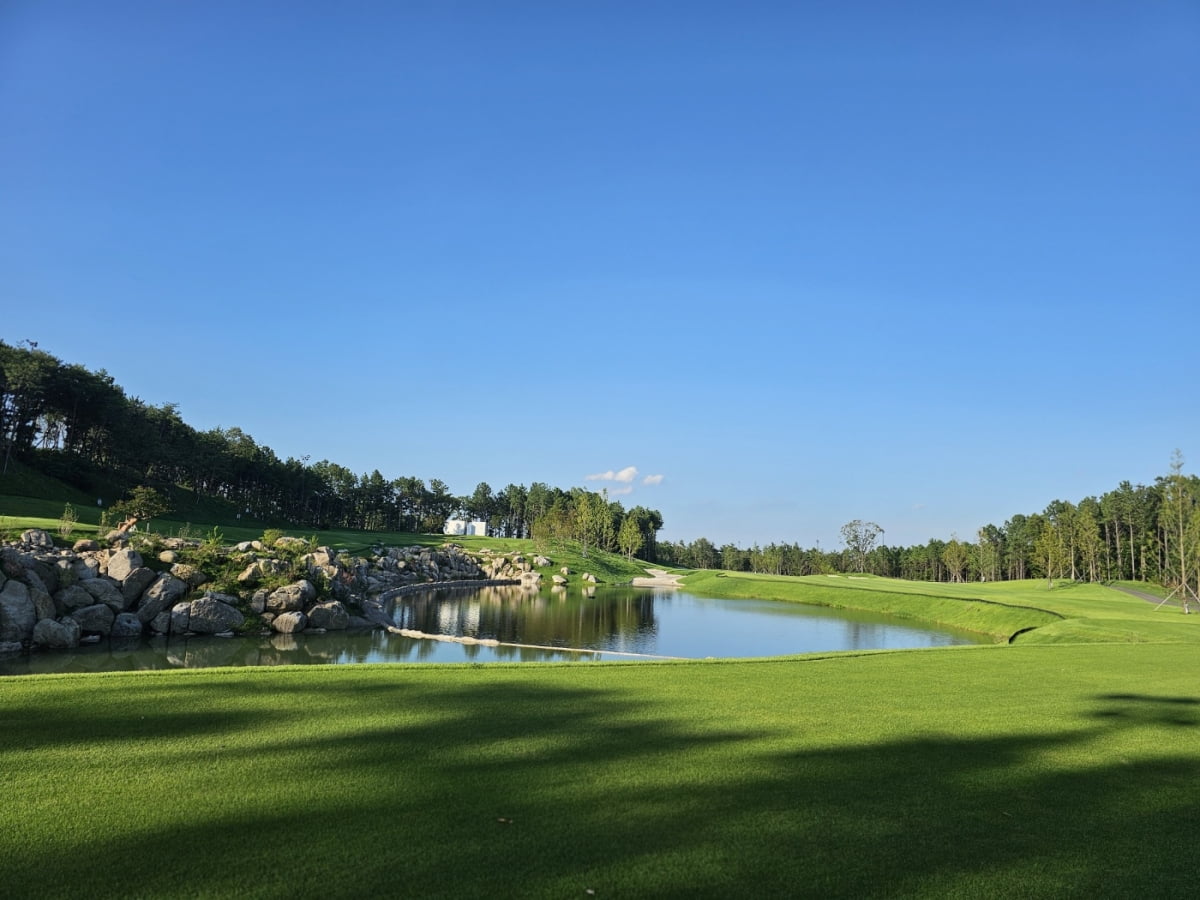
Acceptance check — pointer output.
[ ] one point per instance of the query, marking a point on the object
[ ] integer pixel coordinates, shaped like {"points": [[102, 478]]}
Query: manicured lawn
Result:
{"points": [[1064, 771], [1067, 613]]}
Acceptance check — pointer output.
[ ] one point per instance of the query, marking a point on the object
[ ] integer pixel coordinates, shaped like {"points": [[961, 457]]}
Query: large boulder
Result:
{"points": [[17, 612], [208, 615], [60, 634], [126, 625], [331, 616], [291, 597], [289, 622], [105, 591], [181, 618], [166, 591], [43, 604], [71, 598], [135, 584], [85, 567], [123, 562], [95, 619]]}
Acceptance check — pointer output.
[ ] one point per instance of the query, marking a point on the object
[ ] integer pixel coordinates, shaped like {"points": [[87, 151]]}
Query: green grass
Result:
{"points": [[1065, 771], [1024, 611]]}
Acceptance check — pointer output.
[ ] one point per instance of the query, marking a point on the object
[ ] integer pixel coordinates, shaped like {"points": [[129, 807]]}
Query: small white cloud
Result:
{"points": [[652, 479], [918, 506], [617, 492], [625, 476]]}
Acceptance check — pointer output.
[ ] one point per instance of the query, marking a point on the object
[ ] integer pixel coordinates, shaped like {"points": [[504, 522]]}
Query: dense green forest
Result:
{"points": [[80, 427]]}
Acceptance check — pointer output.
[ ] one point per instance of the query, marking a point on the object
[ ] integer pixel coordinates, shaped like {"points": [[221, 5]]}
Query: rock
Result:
{"points": [[44, 606], [38, 539], [212, 616], [10, 562], [126, 625], [161, 595], [122, 562], [105, 591], [288, 541], [289, 622], [8, 648], [565, 570], [17, 612], [161, 624], [41, 575], [169, 557], [71, 598], [85, 567], [61, 634], [181, 618], [95, 619], [331, 616], [291, 597], [193, 576], [590, 577], [560, 579], [135, 585], [244, 546], [258, 602], [116, 536], [85, 544], [322, 556]]}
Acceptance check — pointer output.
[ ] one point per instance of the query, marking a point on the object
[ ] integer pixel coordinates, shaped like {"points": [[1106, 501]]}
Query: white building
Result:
{"points": [[458, 527]]}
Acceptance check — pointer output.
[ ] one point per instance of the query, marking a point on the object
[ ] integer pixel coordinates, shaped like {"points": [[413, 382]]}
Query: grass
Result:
{"points": [[1024, 611], [992, 771]]}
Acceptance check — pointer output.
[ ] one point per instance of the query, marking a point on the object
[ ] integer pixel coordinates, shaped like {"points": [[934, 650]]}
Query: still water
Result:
{"points": [[614, 623]]}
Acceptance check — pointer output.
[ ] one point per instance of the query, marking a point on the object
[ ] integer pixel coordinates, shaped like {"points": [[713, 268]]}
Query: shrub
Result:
{"points": [[66, 522]]}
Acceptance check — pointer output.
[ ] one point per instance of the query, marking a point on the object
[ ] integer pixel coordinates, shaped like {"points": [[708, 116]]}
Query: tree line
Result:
{"points": [[1131, 533], [80, 426]]}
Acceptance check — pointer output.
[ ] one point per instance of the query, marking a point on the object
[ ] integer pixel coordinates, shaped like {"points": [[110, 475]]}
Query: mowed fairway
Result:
{"points": [[999, 771]]}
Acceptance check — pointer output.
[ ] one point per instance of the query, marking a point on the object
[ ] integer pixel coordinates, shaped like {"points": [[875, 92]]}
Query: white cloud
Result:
{"points": [[617, 492], [625, 476], [652, 479]]}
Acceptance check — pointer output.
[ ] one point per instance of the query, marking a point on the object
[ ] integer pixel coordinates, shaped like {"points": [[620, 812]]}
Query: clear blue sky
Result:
{"points": [[928, 264]]}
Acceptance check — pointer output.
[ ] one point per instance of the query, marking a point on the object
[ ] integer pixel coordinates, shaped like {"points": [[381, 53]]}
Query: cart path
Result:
{"points": [[658, 578]]}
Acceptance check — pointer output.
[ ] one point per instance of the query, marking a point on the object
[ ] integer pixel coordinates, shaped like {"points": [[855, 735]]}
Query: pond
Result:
{"points": [[614, 623]]}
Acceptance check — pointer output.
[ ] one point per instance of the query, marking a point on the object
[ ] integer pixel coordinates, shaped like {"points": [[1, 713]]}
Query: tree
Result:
{"points": [[859, 538], [1051, 550], [629, 538], [954, 555], [142, 504], [1180, 523]]}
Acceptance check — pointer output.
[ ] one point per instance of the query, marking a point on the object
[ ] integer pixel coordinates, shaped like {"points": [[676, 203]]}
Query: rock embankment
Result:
{"points": [[56, 598]]}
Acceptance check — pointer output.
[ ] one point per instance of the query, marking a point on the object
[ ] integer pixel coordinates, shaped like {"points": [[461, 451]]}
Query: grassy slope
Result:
{"points": [[1068, 613], [990, 771]]}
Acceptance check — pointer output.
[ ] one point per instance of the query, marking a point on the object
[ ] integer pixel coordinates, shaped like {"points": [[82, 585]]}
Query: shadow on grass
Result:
{"points": [[522, 789]]}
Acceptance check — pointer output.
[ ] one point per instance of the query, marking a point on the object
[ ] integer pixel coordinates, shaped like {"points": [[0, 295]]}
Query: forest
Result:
{"points": [[1131, 533], [80, 426]]}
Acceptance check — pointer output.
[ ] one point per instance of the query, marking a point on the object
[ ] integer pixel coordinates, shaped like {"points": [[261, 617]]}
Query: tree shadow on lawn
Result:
{"points": [[524, 789]]}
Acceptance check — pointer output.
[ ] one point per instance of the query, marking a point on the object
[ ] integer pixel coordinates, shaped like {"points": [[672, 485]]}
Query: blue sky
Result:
{"points": [[927, 264]]}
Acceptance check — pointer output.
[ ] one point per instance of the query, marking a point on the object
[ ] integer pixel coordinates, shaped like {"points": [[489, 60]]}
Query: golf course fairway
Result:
{"points": [[1057, 770]]}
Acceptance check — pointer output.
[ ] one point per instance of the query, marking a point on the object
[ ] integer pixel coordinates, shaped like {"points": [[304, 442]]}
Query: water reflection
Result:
{"points": [[618, 619], [607, 621]]}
